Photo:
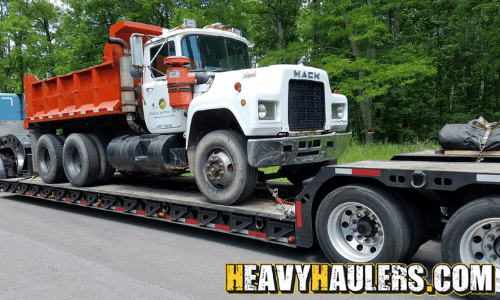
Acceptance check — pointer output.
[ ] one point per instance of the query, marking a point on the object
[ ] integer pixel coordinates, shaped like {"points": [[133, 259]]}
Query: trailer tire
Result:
{"points": [[49, 159], [106, 171], [238, 178], [80, 160], [417, 227], [468, 233], [345, 217]]}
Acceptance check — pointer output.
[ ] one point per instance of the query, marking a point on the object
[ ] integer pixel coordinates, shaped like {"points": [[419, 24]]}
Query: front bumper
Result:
{"points": [[296, 150]]}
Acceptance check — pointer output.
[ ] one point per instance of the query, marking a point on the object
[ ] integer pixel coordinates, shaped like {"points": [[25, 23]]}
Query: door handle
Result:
{"points": [[147, 89]]}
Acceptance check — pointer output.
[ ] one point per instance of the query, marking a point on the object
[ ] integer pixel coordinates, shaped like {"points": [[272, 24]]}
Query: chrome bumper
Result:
{"points": [[296, 150]]}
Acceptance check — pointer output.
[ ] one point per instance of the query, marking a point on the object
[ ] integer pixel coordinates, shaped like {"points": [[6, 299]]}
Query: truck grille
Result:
{"points": [[306, 105]]}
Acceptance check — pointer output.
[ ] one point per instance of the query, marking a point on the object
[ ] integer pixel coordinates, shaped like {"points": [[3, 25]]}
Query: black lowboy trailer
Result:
{"points": [[367, 211]]}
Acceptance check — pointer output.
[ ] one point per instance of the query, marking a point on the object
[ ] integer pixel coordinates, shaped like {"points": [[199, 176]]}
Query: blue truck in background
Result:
{"points": [[12, 107], [12, 114]]}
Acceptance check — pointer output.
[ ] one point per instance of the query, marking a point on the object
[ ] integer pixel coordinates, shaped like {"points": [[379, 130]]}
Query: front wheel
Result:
{"points": [[472, 235], [222, 172]]}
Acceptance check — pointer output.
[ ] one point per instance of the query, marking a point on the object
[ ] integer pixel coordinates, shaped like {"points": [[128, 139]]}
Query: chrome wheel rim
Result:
{"points": [[355, 232], [219, 169], [481, 244]]}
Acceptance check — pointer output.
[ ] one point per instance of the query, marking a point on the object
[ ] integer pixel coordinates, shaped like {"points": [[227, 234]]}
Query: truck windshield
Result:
{"points": [[215, 53]]}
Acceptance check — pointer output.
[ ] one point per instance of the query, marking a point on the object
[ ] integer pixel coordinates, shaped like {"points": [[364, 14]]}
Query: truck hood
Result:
{"points": [[266, 81]]}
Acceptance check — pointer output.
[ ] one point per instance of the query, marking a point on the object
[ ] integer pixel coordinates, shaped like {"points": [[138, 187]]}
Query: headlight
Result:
{"points": [[267, 110], [262, 111], [340, 111]]}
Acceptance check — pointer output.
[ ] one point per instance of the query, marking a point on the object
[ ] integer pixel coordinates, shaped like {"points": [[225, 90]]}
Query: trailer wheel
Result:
{"points": [[106, 171], [80, 160], [472, 235], [222, 171], [362, 223], [49, 159]]}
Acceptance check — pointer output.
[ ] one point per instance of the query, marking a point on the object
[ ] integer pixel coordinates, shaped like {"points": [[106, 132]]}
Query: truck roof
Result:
{"points": [[208, 31]]}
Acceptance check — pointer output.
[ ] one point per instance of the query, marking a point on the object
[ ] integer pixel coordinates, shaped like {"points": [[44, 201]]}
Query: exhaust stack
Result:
{"points": [[129, 103]]}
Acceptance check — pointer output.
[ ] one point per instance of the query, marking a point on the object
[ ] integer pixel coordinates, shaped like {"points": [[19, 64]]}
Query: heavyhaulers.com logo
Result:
{"points": [[360, 278]]}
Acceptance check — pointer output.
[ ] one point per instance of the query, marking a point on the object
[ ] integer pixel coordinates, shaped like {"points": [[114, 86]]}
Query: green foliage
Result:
{"points": [[381, 151], [407, 67]]}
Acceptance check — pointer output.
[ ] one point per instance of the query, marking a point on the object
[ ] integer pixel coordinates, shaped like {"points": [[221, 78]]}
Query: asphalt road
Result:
{"points": [[53, 250]]}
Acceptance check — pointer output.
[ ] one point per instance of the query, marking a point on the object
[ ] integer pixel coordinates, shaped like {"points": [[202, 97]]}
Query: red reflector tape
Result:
{"points": [[223, 227], [298, 213], [41, 195], [83, 202], [168, 217], [119, 208], [67, 199], [30, 193], [141, 212], [19, 192], [257, 234], [365, 172], [194, 222]]}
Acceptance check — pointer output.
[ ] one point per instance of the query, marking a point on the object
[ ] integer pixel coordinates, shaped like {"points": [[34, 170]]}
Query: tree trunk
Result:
{"points": [[366, 113], [365, 105]]}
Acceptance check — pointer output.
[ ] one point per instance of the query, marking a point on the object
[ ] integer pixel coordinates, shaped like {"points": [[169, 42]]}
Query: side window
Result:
{"points": [[167, 50]]}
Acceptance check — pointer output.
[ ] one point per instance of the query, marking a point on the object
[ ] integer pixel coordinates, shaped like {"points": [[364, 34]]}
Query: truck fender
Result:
{"points": [[197, 126], [193, 114]]}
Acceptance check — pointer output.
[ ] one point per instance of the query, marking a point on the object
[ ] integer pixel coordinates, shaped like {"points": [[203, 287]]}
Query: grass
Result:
{"points": [[381, 151], [374, 151]]}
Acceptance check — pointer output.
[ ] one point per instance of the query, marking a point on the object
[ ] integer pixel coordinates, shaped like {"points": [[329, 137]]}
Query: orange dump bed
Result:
{"points": [[86, 93]]}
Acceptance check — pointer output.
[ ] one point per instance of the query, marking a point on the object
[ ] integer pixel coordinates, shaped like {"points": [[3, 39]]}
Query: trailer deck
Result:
{"points": [[431, 166], [174, 200]]}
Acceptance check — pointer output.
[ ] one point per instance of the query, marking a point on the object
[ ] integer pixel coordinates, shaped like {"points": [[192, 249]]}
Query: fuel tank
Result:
{"points": [[151, 153]]}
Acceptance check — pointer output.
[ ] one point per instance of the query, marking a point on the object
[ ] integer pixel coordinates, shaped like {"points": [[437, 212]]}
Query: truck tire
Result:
{"points": [[222, 172], [106, 171], [362, 224], [472, 235], [296, 174], [80, 160], [49, 159]]}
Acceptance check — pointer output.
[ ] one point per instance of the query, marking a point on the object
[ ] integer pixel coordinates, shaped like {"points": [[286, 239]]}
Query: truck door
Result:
{"points": [[160, 117]]}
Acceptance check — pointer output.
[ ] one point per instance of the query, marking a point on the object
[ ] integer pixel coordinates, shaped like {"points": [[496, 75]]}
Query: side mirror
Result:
{"points": [[136, 72], [136, 51]]}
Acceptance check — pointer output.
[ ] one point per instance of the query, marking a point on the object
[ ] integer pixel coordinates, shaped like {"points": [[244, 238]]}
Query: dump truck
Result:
{"points": [[168, 102]]}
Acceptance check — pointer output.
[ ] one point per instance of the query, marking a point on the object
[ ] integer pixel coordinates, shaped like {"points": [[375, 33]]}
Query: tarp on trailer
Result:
{"points": [[469, 137]]}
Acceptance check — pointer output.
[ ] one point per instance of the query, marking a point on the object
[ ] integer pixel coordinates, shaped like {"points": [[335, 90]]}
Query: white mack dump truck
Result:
{"points": [[189, 101]]}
